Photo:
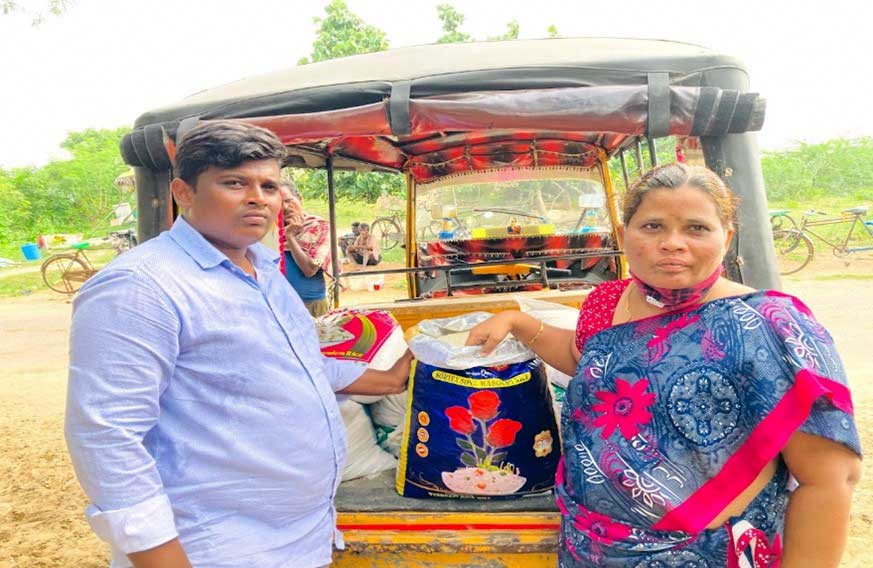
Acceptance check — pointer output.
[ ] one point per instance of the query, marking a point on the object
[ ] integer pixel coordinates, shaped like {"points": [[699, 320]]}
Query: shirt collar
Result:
{"points": [[207, 256]]}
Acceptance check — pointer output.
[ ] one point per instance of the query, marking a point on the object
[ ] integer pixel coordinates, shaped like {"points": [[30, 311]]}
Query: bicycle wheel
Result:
{"points": [[782, 222], [429, 231], [65, 273], [388, 232], [794, 250]]}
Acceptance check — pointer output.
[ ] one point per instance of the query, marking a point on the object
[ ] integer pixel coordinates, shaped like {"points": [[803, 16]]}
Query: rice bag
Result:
{"points": [[364, 457], [371, 336], [478, 427]]}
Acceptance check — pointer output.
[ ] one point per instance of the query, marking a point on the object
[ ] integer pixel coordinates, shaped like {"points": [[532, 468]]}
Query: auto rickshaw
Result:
{"points": [[506, 148]]}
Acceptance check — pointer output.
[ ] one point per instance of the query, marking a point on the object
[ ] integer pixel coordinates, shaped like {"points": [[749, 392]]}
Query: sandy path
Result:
{"points": [[41, 521]]}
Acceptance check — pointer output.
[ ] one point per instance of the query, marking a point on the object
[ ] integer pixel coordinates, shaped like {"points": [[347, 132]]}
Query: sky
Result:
{"points": [[104, 62]]}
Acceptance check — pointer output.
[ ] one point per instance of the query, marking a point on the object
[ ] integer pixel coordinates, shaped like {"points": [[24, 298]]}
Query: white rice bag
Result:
{"points": [[364, 456]]}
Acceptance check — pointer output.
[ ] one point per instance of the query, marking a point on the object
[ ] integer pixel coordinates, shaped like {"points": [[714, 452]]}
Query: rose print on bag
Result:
{"points": [[460, 420], [484, 471]]}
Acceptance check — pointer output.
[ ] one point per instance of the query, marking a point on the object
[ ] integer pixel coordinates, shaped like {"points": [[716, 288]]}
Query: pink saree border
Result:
{"points": [[764, 444]]}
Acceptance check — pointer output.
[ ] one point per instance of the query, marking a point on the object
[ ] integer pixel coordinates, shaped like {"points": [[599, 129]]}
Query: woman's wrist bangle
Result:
{"points": [[537, 335]]}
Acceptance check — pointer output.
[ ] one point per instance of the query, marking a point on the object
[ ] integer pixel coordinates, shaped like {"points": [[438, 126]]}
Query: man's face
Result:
{"points": [[233, 207]]}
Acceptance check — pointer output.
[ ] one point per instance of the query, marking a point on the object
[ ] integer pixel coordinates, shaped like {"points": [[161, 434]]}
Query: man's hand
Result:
{"points": [[392, 381], [400, 370]]}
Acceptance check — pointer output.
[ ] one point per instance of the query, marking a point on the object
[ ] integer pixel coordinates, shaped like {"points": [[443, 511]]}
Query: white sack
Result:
{"points": [[364, 456]]}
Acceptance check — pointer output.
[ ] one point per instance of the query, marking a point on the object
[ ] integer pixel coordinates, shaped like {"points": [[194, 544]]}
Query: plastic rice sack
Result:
{"points": [[557, 315], [478, 427], [371, 336], [364, 457]]}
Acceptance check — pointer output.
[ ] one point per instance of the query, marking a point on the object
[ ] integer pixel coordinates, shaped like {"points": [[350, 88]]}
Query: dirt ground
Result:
{"points": [[41, 504]]}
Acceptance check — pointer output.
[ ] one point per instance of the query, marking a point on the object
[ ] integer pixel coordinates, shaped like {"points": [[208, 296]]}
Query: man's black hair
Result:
{"points": [[224, 144]]}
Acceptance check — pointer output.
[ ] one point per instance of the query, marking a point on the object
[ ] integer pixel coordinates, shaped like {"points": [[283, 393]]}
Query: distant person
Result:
{"points": [[202, 419], [349, 238], [307, 251], [365, 251]]}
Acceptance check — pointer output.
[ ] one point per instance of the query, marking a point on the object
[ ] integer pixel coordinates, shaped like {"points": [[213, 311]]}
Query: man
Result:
{"points": [[307, 251], [201, 416], [365, 251], [349, 238]]}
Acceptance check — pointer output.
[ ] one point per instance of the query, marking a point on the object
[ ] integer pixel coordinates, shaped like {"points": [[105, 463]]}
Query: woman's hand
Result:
{"points": [[553, 345], [293, 224], [492, 331]]}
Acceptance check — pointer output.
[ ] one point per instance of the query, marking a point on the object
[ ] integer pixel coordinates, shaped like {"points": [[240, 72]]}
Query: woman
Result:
{"points": [[695, 400]]}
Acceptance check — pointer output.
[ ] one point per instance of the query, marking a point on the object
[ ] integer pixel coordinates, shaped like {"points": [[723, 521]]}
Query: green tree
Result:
{"points": [[512, 29], [553, 31], [341, 33], [65, 195], [451, 20]]}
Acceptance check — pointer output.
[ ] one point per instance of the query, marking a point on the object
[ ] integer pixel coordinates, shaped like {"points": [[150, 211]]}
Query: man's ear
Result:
{"points": [[182, 193]]}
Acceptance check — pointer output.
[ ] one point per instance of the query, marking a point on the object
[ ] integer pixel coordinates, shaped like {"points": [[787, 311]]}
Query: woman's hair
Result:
{"points": [[224, 144], [362, 226], [674, 176]]}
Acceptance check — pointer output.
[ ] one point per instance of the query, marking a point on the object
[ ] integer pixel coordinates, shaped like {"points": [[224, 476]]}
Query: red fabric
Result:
{"points": [[598, 309]]}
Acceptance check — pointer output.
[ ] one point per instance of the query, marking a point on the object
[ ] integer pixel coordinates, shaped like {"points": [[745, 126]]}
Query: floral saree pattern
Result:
{"points": [[670, 418]]}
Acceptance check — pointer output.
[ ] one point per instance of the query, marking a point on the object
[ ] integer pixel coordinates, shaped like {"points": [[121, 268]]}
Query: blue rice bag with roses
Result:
{"points": [[476, 427]]}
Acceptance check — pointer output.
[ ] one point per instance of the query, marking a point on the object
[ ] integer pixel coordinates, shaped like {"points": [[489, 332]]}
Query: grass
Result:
{"points": [[26, 278], [20, 284], [843, 277]]}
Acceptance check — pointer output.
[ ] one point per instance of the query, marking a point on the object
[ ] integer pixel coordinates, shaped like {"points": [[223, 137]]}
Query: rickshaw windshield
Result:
{"points": [[515, 201]]}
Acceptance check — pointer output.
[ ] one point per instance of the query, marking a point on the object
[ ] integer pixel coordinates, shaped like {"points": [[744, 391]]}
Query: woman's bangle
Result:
{"points": [[537, 335]]}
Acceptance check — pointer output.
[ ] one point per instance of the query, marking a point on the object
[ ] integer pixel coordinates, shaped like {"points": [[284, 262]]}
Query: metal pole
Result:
{"points": [[638, 153], [624, 169], [331, 214], [653, 152]]}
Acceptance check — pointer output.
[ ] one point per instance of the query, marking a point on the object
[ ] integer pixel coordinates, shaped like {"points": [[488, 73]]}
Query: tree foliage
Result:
{"points": [[64, 195], [341, 33], [452, 20], [512, 29], [840, 167]]}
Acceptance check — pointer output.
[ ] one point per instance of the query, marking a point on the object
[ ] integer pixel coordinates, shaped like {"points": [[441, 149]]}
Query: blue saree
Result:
{"points": [[670, 418]]}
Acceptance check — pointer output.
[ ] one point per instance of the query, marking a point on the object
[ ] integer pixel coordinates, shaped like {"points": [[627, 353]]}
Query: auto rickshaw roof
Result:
{"points": [[420, 108]]}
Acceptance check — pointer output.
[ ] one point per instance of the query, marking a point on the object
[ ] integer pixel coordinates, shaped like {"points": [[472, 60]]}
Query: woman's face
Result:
{"points": [[676, 238]]}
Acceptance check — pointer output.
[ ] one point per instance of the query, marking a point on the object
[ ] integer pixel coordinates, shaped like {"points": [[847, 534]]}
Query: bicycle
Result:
{"points": [[389, 230], [795, 249], [781, 220], [66, 273]]}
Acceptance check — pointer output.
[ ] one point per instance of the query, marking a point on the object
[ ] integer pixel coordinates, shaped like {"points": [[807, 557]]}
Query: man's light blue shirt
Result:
{"points": [[199, 405]]}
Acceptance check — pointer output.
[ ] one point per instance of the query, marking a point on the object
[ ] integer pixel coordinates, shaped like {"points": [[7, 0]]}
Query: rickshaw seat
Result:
{"points": [[81, 246]]}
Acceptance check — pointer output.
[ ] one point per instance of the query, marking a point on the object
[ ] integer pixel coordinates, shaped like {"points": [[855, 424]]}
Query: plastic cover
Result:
{"points": [[428, 347]]}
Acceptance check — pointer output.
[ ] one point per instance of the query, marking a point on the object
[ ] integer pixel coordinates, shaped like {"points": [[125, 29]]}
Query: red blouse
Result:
{"points": [[598, 309]]}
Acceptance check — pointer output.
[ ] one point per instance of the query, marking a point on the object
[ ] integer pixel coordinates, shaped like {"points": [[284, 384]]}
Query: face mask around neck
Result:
{"points": [[677, 298]]}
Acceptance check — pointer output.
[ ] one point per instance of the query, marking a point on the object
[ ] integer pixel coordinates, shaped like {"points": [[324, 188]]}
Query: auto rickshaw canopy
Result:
{"points": [[436, 110]]}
